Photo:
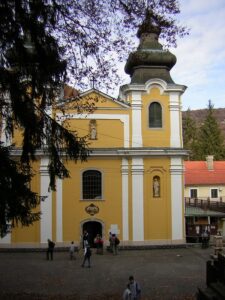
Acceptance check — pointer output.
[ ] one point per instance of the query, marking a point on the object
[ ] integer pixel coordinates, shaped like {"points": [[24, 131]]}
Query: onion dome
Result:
{"points": [[149, 60]]}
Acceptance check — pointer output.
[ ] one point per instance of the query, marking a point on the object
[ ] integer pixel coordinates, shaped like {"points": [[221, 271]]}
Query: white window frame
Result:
{"points": [[82, 192], [162, 114], [214, 188], [192, 188]]}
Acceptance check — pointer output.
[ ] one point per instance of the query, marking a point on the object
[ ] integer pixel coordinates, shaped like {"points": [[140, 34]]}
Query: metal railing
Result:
{"points": [[206, 203]]}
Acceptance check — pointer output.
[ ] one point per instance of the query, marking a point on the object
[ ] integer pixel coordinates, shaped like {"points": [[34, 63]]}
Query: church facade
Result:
{"points": [[132, 183]]}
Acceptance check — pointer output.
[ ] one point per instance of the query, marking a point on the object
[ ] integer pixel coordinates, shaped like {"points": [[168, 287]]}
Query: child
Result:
{"points": [[127, 293], [72, 250]]}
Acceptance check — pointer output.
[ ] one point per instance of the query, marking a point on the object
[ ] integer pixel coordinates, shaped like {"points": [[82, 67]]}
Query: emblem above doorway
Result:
{"points": [[92, 209]]}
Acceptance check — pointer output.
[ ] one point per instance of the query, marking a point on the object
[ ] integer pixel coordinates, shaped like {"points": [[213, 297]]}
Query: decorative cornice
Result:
{"points": [[144, 88], [123, 152]]}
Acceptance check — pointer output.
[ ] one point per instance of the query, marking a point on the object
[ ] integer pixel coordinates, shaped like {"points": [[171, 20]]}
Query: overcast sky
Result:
{"points": [[201, 55]]}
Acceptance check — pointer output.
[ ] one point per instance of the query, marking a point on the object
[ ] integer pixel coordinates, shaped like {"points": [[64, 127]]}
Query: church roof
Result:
{"points": [[70, 95], [197, 173]]}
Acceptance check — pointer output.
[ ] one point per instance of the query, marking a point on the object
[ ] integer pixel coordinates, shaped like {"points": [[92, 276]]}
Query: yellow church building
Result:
{"points": [[132, 183]]}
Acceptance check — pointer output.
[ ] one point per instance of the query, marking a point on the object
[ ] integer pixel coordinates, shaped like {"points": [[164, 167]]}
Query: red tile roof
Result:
{"points": [[197, 173]]}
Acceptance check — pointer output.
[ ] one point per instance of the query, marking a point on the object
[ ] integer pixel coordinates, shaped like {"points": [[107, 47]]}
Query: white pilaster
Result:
{"points": [[46, 205], [136, 105], [125, 197], [4, 138], [175, 117], [6, 239], [3, 133], [137, 199], [59, 212], [177, 213]]}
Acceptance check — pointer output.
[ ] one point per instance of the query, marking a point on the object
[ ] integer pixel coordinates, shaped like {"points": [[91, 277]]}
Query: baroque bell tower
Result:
{"points": [[156, 155]]}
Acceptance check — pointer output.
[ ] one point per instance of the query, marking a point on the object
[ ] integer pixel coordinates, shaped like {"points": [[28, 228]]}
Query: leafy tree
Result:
{"points": [[211, 141], [190, 132], [46, 43]]}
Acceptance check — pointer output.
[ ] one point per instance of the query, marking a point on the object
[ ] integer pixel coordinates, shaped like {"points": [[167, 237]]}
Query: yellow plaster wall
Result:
{"points": [[157, 211], [29, 234], [91, 103], [17, 137], [156, 137], [110, 133], [109, 207]]}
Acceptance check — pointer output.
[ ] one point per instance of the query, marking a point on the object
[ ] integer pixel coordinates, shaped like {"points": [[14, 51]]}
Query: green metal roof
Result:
{"points": [[191, 211]]}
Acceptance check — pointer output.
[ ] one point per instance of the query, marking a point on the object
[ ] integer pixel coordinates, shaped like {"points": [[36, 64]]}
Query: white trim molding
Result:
{"points": [[163, 86], [6, 239], [177, 208], [138, 199], [46, 205], [175, 120], [136, 104]]}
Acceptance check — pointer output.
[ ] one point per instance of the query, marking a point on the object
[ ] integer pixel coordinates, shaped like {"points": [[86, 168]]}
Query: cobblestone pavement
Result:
{"points": [[162, 274]]}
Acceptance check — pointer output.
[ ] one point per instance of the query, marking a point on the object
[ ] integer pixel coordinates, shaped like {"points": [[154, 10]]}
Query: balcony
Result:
{"points": [[214, 204]]}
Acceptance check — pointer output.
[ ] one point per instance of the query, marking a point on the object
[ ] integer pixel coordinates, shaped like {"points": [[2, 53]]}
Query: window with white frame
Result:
{"points": [[92, 184], [155, 115], [214, 193], [193, 193]]}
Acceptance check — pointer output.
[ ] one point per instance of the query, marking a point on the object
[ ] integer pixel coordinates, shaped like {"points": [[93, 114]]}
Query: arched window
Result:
{"points": [[92, 184], [155, 115]]}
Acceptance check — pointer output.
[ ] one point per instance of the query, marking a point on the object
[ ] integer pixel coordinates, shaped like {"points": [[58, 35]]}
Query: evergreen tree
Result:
{"points": [[42, 45], [17, 200], [211, 141], [190, 132]]}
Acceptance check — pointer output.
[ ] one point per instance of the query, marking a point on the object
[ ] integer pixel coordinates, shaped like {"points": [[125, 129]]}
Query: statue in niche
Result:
{"points": [[93, 130], [156, 186]]}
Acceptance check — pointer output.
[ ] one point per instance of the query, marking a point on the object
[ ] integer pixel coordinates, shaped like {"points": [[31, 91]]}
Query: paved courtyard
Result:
{"points": [[162, 274]]}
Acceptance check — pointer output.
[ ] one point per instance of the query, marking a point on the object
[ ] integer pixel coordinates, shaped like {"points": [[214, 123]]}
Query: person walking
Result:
{"points": [[87, 256], [72, 250], [50, 250], [115, 243], [127, 293], [110, 242], [85, 238], [134, 289]]}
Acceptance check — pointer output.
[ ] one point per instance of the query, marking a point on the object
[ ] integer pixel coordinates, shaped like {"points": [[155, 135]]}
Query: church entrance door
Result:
{"points": [[93, 228]]}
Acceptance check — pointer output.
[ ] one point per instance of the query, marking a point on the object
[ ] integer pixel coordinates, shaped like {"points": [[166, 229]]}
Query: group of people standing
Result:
{"points": [[113, 243], [113, 247], [132, 291]]}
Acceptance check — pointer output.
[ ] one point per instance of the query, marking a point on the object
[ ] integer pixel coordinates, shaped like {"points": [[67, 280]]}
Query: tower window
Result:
{"points": [[92, 184], [155, 115]]}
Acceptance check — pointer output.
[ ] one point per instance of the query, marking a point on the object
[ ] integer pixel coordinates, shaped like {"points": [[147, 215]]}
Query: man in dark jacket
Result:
{"points": [[87, 256], [50, 249]]}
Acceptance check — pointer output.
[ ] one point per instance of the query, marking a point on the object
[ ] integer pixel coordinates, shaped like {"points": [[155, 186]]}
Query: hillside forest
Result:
{"points": [[204, 132]]}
